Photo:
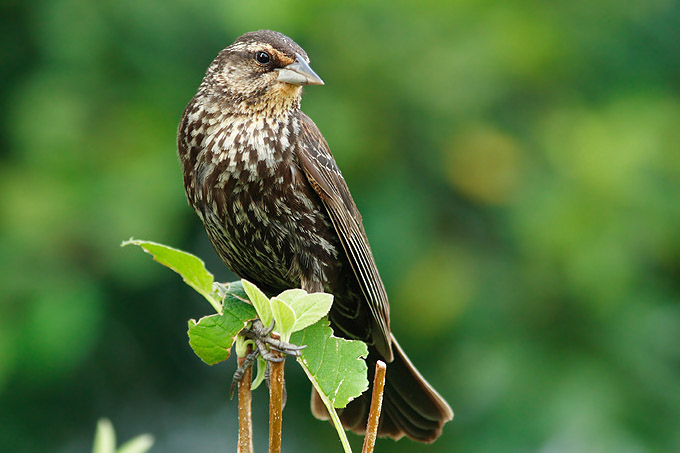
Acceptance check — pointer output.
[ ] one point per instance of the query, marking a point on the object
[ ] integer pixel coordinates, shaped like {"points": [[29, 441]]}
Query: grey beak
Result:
{"points": [[299, 73]]}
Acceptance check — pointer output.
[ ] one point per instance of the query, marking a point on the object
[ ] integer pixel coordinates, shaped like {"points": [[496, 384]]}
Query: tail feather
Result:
{"points": [[411, 407]]}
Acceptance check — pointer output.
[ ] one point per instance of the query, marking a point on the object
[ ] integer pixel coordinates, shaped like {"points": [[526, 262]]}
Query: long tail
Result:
{"points": [[411, 407]]}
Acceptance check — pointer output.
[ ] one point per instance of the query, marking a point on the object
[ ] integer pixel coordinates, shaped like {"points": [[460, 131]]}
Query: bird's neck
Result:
{"points": [[281, 101], [267, 110]]}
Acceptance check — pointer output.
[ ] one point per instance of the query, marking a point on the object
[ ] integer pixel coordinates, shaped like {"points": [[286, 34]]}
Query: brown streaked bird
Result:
{"points": [[262, 178]]}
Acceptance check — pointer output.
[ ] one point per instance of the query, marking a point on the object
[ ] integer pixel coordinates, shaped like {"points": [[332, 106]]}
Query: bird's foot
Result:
{"points": [[265, 342], [241, 371], [264, 345]]}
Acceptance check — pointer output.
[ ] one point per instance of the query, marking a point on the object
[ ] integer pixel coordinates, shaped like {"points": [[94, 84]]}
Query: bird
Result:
{"points": [[261, 177]]}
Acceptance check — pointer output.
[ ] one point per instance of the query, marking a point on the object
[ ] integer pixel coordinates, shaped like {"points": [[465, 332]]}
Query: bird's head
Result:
{"points": [[262, 72]]}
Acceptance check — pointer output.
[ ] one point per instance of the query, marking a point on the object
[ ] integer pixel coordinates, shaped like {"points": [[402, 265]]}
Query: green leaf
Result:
{"points": [[191, 268], [284, 317], [241, 346], [105, 440], [104, 437], [232, 293], [212, 336], [261, 373], [310, 308], [140, 444], [335, 365], [259, 301], [289, 295]]}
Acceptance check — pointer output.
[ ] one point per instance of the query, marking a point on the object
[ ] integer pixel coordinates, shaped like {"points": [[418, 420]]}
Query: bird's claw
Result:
{"points": [[241, 371], [264, 344], [260, 335]]}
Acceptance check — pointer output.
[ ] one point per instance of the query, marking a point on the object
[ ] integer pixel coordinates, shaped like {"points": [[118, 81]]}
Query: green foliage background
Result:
{"points": [[516, 163]]}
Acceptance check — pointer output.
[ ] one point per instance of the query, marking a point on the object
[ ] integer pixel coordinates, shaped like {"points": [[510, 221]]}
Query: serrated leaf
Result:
{"points": [[190, 267], [260, 301], [335, 364], [310, 308], [284, 317], [212, 336]]}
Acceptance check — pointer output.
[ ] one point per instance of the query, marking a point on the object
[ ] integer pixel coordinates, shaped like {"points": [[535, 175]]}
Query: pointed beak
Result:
{"points": [[299, 73]]}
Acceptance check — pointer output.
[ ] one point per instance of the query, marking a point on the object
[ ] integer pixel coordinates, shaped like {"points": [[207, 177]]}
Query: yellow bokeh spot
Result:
{"points": [[436, 291], [483, 164]]}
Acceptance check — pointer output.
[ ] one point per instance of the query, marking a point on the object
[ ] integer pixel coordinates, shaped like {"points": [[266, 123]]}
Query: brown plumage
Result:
{"points": [[261, 177]]}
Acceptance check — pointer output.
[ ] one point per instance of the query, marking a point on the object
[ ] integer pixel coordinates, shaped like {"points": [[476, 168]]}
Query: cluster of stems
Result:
{"points": [[245, 433]]}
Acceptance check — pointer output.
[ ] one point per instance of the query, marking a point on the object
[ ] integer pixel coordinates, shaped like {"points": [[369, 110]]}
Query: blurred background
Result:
{"points": [[517, 165]]}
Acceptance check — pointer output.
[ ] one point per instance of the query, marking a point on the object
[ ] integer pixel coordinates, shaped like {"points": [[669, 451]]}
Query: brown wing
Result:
{"points": [[325, 177]]}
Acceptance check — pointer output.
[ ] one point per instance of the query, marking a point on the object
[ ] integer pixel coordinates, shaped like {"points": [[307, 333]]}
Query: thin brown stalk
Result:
{"points": [[376, 406], [245, 415], [275, 405]]}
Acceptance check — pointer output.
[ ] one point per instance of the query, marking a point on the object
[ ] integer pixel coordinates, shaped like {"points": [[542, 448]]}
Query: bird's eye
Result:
{"points": [[262, 57]]}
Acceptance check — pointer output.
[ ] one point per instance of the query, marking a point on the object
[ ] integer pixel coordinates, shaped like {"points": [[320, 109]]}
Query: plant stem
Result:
{"points": [[245, 415], [275, 405], [376, 406], [329, 407]]}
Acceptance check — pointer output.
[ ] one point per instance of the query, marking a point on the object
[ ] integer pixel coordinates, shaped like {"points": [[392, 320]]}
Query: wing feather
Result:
{"points": [[325, 177]]}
